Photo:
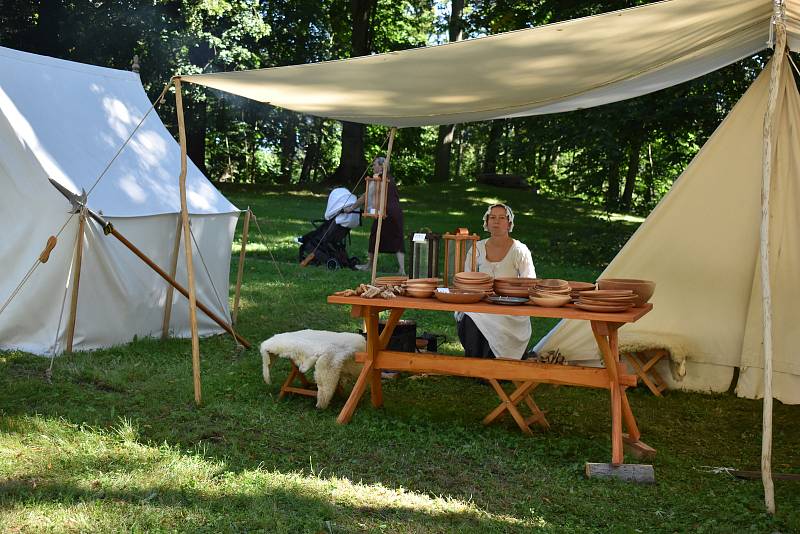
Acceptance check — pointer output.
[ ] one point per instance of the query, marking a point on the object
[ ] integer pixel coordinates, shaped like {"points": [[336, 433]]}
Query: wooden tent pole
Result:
{"points": [[382, 205], [240, 272], [778, 59], [187, 245], [76, 281], [172, 272]]}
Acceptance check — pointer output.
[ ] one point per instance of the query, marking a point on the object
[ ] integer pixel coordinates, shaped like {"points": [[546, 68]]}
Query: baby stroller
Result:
{"points": [[328, 240]]}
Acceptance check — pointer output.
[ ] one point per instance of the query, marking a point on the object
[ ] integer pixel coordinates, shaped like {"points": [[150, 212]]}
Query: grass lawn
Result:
{"points": [[115, 442]]}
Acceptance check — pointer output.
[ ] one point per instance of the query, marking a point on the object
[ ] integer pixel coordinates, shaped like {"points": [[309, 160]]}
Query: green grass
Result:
{"points": [[115, 442]]}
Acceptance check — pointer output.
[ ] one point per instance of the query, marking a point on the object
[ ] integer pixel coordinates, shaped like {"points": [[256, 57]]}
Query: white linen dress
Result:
{"points": [[508, 335]]}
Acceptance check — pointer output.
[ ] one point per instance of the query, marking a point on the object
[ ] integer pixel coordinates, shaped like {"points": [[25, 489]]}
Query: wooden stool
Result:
{"points": [[510, 404], [308, 389], [643, 364]]}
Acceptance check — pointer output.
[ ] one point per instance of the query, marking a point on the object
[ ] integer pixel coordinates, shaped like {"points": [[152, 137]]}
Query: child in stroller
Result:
{"points": [[328, 240]]}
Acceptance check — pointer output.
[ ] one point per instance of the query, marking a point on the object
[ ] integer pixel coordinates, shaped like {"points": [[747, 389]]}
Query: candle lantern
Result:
{"points": [[455, 253], [373, 196], [424, 257]]}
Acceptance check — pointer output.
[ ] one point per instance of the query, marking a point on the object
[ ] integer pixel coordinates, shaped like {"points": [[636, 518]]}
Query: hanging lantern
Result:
{"points": [[455, 253], [373, 195], [424, 258]]}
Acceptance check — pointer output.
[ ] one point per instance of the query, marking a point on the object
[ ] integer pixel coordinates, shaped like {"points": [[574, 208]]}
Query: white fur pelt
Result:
{"points": [[675, 345], [325, 351]]}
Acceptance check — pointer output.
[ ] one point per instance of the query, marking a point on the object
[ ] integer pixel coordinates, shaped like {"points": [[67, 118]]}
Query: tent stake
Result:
{"points": [[187, 246], [240, 272], [76, 280], [382, 205], [778, 60], [172, 272]]}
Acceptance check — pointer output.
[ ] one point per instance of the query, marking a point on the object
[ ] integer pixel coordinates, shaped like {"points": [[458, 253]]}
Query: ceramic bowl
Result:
{"points": [[456, 296], [643, 288], [551, 302]]}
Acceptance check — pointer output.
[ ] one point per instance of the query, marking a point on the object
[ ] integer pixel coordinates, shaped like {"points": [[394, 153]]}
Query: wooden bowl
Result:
{"points": [[521, 281], [473, 275], [552, 282], [643, 288], [581, 286], [424, 281], [456, 296], [420, 293], [551, 302]]}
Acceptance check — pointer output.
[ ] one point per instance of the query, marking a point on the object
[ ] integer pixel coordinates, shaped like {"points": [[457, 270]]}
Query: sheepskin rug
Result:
{"points": [[325, 352]]}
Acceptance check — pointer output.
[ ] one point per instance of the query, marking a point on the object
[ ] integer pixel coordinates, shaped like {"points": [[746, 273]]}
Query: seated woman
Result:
{"points": [[485, 335]]}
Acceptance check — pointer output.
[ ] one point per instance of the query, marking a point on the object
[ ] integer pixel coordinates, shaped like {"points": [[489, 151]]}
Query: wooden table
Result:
{"points": [[613, 377]]}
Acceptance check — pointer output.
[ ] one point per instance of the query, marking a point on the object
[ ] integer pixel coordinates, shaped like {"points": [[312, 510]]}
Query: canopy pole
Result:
{"points": [[76, 281], [382, 205], [764, 252], [187, 245], [240, 272], [173, 270]]}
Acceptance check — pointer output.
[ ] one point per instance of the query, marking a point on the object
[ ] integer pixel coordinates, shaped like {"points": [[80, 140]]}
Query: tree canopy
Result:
{"points": [[623, 156]]}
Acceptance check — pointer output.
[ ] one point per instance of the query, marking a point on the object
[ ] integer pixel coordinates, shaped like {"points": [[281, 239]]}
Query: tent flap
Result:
{"points": [[707, 303], [558, 67]]}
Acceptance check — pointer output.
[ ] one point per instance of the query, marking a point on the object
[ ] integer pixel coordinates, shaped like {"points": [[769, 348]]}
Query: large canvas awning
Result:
{"points": [[559, 67]]}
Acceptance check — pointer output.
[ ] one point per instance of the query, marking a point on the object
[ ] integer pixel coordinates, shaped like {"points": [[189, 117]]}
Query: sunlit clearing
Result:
{"points": [[116, 462]]}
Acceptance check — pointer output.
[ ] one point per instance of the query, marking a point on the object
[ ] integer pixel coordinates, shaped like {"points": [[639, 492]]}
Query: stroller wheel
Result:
{"points": [[332, 264]]}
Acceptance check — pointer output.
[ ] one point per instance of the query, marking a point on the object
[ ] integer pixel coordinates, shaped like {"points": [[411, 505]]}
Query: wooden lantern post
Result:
{"points": [[382, 206]]}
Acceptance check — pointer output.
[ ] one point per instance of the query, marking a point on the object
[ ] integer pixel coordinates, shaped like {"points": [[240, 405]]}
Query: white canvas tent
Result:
{"points": [[66, 121], [701, 245]]}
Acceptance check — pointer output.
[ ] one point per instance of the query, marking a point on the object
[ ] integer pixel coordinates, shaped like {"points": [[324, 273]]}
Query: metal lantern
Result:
{"points": [[455, 252], [424, 258], [373, 196]]}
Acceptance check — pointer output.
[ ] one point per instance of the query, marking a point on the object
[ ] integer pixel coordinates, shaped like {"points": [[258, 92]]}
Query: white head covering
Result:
{"points": [[509, 214]]}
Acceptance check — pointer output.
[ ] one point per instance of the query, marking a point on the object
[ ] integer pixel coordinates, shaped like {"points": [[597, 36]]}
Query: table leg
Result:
{"points": [[373, 347], [509, 405], [605, 334], [358, 390], [368, 371]]}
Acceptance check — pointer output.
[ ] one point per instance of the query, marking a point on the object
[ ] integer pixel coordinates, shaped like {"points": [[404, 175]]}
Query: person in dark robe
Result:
{"points": [[392, 233]]}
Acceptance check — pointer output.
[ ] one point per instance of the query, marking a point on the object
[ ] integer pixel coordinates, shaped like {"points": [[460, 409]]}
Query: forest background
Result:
{"points": [[622, 157]]}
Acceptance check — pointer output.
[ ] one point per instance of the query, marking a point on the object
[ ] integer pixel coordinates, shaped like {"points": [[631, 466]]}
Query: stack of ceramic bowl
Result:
{"points": [[642, 288], [390, 280], [547, 287], [607, 300], [473, 281], [550, 293], [575, 288], [422, 287], [514, 287]]}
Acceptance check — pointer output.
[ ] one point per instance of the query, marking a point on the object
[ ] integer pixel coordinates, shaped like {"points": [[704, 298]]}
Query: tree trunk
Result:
{"points": [[312, 152], [632, 173], [612, 193], [288, 148], [493, 147], [441, 165], [649, 178], [351, 163], [196, 132]]}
